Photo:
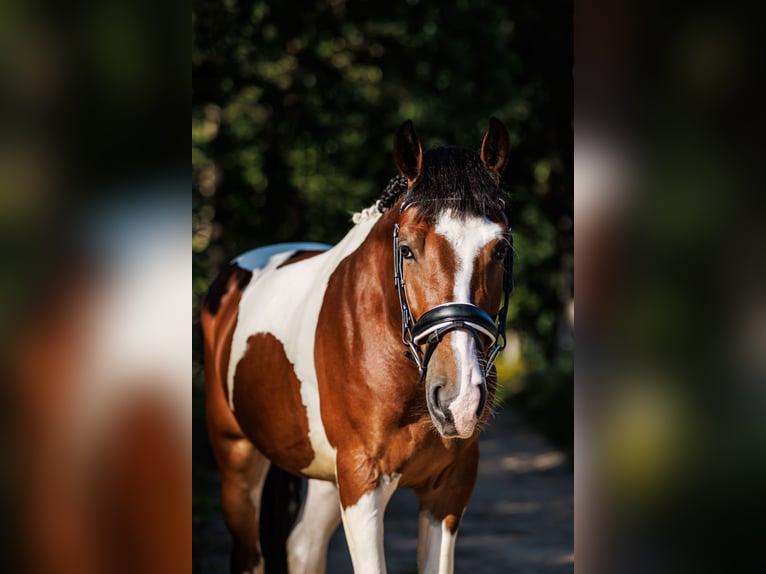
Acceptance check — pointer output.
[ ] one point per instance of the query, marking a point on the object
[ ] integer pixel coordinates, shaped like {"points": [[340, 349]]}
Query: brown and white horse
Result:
{"points": [[367, 366]]}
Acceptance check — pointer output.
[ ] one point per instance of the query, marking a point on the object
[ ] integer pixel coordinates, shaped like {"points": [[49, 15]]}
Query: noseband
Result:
{"points": [[435, 323]]}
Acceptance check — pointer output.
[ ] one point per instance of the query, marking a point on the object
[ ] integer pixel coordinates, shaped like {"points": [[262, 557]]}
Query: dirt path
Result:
{"points": [[519, 520]]}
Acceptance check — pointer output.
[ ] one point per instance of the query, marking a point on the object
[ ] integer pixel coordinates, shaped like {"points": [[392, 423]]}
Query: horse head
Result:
{"points": [[452, 259]]}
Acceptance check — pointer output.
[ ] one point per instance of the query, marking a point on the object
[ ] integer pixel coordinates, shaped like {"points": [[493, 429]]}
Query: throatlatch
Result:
{"points": [[435, 323]]}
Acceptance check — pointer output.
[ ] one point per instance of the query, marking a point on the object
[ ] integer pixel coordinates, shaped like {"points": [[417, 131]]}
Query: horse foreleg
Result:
{"points": [[441, 507], [436, 545], [363, 521], [307, 544]]}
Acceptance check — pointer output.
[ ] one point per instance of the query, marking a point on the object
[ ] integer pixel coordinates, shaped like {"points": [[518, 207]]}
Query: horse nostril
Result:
{"points": [[438, 402], [435, 397]]}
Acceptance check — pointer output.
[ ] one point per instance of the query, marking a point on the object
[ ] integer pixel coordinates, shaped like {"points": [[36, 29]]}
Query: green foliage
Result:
{"points": [[294, 107]]}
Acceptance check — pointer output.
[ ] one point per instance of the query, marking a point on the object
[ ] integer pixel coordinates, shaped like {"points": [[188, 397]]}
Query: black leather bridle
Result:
{"points": [[435, 323]]}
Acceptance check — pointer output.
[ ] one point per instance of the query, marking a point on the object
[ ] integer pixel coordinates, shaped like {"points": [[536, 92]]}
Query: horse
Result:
{"points": [[366, 366]]}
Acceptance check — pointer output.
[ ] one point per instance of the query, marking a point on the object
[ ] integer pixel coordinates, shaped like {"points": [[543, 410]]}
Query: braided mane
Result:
{"points": [[397, 185]]}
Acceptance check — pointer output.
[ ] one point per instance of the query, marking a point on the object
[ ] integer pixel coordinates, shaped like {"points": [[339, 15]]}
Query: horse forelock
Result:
{"points": [[455, 179]]}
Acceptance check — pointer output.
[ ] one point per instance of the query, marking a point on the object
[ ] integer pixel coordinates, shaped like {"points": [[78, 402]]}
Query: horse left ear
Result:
{"points": [[495, 146], [407, 151]]}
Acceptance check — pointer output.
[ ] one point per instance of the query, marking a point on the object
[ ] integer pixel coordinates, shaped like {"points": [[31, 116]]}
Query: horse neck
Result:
{"points": [[369, 281], [364, 325]]}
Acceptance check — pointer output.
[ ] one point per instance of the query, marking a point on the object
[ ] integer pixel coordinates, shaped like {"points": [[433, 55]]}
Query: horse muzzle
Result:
{"points": [[455, 414]]}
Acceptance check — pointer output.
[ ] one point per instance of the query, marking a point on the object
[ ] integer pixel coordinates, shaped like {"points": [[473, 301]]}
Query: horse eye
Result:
{"points": [[499, 253], [406, 252]]}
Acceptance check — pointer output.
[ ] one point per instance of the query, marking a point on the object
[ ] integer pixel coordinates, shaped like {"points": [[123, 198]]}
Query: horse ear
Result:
{"points": [[495, 146], [407, 151]]}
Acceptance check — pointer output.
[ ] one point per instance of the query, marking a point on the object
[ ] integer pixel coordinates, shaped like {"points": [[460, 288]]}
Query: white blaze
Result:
{"points": [[467, 237]]}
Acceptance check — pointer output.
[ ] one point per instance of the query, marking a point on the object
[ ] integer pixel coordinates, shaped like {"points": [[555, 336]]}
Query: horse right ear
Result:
{"points": [[407, 151], [495, 146]]}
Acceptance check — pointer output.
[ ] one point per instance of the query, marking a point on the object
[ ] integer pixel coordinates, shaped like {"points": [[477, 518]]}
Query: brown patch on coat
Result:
{"points": [[268, 404], [300, 256]]}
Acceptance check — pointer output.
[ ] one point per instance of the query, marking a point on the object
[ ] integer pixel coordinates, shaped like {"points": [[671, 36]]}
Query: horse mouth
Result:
{"points": [[449, 430], [446, 428]]}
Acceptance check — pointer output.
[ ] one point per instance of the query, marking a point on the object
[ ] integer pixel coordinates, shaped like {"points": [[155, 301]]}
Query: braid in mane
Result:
{"points": [[397, 185]]}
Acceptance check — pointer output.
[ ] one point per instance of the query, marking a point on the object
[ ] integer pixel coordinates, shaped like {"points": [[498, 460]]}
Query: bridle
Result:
{"points": [[435, 323]]}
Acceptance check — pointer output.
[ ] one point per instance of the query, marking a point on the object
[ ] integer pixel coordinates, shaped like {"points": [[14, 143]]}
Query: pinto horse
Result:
{"points": [[367, 366]]}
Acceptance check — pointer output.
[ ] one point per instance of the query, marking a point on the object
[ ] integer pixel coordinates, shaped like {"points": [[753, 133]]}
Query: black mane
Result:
{"points": [[452, 179]]}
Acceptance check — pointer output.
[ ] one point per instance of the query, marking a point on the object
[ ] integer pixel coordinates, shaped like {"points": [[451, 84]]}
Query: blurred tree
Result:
{"points": [[294, 108]]}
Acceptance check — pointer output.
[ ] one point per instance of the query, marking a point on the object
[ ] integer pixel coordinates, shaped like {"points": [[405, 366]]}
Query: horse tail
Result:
{"points": [[280, 504]]}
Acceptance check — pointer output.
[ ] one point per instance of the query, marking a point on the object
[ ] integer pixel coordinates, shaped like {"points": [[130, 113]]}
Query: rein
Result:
{"points": [[435, 323]]}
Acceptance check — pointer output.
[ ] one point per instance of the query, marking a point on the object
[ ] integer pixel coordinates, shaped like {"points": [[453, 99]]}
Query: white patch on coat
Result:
{"points": [[436, 546], [320, 517], [363, 525], [285, 303], [467, 237]]}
